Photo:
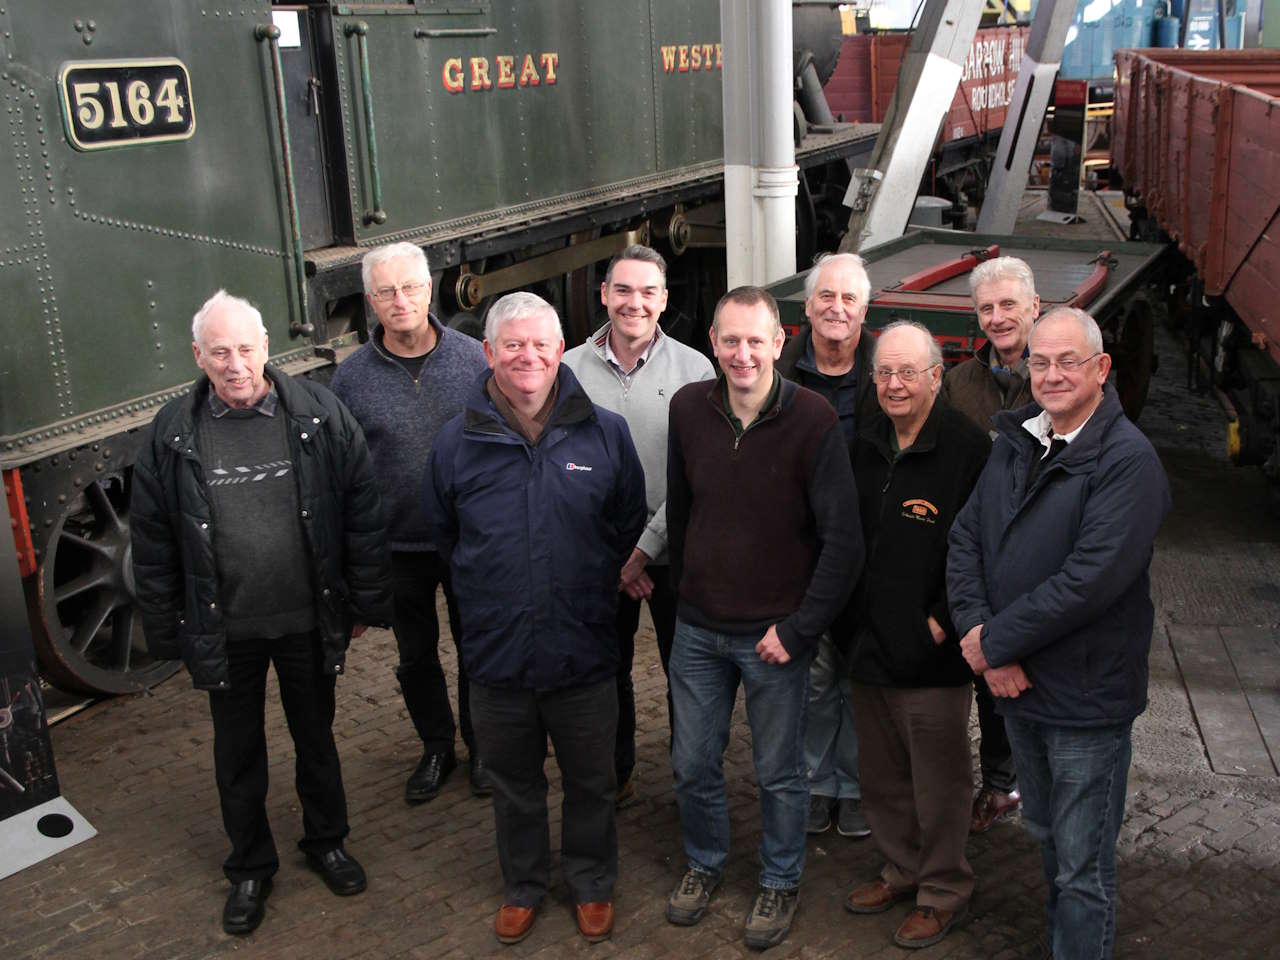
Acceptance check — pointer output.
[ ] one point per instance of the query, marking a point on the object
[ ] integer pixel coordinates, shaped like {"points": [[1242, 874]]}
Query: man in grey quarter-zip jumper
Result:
{"points": [[402, 386], [631, 367]]}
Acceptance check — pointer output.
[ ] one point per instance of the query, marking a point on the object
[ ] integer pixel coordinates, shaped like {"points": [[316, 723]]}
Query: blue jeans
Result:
{"points": [[706, 668], [1073, 782], [831, 739]]}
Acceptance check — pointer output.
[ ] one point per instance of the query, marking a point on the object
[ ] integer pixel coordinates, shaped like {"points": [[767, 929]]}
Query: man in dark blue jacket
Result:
{"points": [[536, 497], [1048, 579]]}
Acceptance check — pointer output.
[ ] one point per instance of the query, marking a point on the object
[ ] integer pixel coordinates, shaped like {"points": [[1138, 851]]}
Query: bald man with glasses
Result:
{"points": [[915, 462]]}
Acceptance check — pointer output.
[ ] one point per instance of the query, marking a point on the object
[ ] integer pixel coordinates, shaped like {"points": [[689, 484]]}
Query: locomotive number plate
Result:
{"points": [[119, 103]]}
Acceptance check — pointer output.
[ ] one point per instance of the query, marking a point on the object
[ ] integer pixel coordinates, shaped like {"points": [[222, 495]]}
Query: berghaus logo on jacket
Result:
{"points": [[571, 466]]}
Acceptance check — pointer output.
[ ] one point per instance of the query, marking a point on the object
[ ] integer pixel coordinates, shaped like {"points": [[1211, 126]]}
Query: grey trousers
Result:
{"points": [[511, 728]]}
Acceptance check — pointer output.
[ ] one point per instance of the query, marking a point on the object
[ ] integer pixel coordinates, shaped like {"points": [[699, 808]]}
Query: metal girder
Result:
{"points": [[1040, 62], [472, 288], [882, 196]]}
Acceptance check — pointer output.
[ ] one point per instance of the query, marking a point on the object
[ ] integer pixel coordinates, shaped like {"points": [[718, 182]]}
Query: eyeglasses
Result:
{"points": [[411, 290], [906, 374], [1067, 365]]}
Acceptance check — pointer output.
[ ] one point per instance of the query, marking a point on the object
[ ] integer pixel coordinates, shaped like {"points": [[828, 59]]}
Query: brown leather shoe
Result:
{"points": [[875, 897], [514, 923], [595, 920], [925, 926], [991, 806]]}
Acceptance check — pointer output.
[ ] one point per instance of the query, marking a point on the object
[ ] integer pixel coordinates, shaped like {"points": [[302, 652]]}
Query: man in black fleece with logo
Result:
{"points": [[915, 463]]}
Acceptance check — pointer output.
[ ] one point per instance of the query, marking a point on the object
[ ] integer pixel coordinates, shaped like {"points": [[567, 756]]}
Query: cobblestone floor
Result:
{"points": [[1199, 855]]}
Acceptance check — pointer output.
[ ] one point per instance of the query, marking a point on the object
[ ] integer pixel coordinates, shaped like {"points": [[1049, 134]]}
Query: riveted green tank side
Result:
{"points": [[506, 104], [107, 247]]}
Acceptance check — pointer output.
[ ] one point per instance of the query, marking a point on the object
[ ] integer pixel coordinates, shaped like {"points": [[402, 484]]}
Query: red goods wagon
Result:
{"points": [[862, 84], [1195, 137]]}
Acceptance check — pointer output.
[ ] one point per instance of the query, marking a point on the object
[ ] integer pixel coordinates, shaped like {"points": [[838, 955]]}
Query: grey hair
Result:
{"points": [[223, 299], [515, 305], [935, 350], [392, 251], [747, 296], [1002, 268], [638, 251], [1092, 334], [849, 261]]}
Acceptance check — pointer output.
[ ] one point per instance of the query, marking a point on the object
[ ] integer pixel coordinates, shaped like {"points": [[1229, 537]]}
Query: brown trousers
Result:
{"points": [[917, 787]]}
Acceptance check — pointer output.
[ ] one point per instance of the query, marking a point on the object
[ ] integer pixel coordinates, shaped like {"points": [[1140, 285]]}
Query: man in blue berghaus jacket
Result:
{"points": [[536, 497], [1048, 578]]}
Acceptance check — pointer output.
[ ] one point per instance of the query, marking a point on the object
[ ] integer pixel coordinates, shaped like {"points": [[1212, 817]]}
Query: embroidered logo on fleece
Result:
{"points": [[571, 466], [921, 510]]}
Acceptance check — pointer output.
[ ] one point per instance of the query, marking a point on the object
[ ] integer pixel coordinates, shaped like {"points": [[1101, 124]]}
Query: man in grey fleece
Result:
{"points": [[631, 367], [403, 386]]}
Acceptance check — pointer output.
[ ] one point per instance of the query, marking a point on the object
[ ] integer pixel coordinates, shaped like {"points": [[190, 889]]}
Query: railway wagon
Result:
{"points": [[1195, 138], [861, 88], [156, 150]]}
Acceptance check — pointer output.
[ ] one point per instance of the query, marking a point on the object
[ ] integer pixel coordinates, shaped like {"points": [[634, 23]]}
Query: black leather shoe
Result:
{"points": [[481, 782], [246, 905], [342, 875], [429, 776]]}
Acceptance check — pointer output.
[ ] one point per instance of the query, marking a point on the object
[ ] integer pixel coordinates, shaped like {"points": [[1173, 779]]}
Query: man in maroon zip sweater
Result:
{"points": [[765, 547]]}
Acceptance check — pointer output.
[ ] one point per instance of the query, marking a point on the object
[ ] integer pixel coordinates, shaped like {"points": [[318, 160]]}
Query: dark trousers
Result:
{"points": [[913, 758], [512, 727], [415, 577], [662, 608], [995, 756], [240, 750]]}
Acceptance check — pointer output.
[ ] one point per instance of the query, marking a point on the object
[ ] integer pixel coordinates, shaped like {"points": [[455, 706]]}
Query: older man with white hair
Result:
{"points": [[258, 540], [403, 385], [831, 359], [915, 463], [995, 378], [535, 496], [1049, 583]]}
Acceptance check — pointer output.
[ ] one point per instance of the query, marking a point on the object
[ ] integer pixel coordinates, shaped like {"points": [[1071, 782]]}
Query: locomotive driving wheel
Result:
{"points": [[89, 629]]}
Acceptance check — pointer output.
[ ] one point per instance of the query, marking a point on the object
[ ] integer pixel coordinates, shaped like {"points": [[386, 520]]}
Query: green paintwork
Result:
{"points": [[594, 126], [104, 256]]}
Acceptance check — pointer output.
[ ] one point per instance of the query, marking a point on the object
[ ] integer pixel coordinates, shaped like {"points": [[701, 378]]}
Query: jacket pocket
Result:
{"points": [[591, 603], [205, 655]]}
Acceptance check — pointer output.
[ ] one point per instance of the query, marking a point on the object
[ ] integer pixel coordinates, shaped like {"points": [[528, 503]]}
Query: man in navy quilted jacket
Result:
{"points": [[535, 495]]}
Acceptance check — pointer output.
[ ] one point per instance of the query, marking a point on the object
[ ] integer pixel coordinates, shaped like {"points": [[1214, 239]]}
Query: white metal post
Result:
{"points": [[760, 173]]}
